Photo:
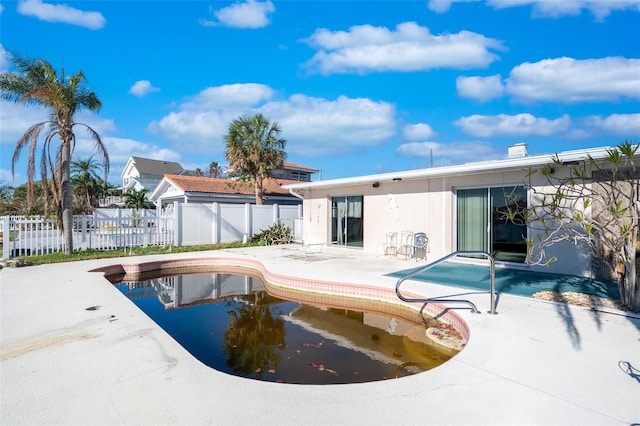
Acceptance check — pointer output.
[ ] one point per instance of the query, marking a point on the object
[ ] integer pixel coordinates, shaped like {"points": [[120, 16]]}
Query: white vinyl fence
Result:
{"points": [[110, 229]]}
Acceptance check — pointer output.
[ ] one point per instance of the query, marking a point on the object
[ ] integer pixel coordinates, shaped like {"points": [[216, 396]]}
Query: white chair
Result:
{"points": [[406, 244], [420, 242], [391, 244]]}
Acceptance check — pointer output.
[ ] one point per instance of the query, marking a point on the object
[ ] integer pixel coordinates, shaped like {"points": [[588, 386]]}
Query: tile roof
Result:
{"points": [[226, 186]]}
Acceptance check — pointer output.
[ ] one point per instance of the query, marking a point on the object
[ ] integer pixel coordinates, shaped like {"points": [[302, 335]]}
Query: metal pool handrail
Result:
{"points": [[492, 279]]}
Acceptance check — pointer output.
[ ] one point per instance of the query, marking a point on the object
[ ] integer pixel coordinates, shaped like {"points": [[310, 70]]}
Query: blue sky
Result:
{"points": [[358, 87]]}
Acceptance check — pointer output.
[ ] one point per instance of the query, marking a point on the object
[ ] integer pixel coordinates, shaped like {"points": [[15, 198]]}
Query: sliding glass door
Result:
{"points": [[483, 224], [347, 221]]}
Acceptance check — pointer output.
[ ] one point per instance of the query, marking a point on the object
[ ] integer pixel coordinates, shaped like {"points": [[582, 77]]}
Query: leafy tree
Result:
{"points": [[215, 169], [198, 171], [137, 199], [14, 200], [594, 206], [37, 83], [86, 183], [254, 148]]}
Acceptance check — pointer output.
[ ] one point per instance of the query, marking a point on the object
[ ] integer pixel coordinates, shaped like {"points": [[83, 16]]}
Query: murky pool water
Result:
{"points": [[231, 323]]}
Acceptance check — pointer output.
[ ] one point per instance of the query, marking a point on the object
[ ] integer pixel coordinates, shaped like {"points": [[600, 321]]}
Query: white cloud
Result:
{"points": [[450, 153], [486, 126], [61, 13], [1, 8], [410, 47], [570, 80], [16, 120], [480, 88], [229, 96], [250, 14], [7, 178], [5, 58], [420, 131], [142, 87], [317, 126], [312, 126], [624, 125], [202, 120], [600, 9], [441, 6], [121, 149]]}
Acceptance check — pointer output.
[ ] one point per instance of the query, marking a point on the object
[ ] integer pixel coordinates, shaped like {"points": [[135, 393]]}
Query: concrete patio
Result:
{"points": [[534, 363]]}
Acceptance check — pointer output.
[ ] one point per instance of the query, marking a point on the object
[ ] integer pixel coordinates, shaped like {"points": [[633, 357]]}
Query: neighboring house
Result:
{"points": [[144, 173], [292, 171], [196, 189], [458, 207]]}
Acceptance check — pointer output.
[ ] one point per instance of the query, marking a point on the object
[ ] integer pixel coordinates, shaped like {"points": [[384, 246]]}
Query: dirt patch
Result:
{"points": [[43, 343], [578, 299]]}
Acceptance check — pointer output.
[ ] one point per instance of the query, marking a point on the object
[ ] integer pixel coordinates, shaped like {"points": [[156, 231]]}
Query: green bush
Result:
{"points": [[277, 234]]}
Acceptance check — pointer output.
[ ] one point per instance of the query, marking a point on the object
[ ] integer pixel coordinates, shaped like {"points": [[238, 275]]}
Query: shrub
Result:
{"points": [[277, 234]]}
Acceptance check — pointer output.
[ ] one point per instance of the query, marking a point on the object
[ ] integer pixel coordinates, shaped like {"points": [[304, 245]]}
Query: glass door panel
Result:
{"points": [[347, 221], [482, 222], [472, 219], [508, 236]]}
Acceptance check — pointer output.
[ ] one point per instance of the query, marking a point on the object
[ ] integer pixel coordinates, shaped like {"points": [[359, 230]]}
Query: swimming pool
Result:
{"points": [[380, 305], [231, 323], [511, 281]]}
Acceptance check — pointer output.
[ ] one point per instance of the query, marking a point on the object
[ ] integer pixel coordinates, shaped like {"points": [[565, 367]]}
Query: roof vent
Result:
{"points": [[517, 150]]}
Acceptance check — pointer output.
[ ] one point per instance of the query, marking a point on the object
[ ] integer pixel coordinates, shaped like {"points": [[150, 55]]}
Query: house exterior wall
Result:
{"points": [[424, 205]]}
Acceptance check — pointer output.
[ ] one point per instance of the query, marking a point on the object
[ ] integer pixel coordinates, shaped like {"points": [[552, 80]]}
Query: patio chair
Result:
{"points": [[391, 244], [420, 241], [406, 244]]}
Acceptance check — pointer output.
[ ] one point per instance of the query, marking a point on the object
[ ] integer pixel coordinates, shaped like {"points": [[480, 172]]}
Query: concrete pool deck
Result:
{"points": [[534, 363]]}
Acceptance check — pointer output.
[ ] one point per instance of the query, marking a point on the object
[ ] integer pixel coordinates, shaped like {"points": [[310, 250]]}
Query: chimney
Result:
{"points": [[517, 150]]}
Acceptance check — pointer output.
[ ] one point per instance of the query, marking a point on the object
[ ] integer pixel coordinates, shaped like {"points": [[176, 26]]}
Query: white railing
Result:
{"points": [[110, 229]]}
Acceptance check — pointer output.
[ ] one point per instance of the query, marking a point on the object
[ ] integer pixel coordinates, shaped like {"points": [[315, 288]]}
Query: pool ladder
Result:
{"points": [[474, 309]]}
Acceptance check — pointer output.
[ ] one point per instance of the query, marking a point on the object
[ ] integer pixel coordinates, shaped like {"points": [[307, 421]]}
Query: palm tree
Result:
{"points": [[215, 169], [137, 199], [254, 149], [86, 182], [37, 83]]}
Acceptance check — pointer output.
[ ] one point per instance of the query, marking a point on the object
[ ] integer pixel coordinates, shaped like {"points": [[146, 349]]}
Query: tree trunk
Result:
{"points": [[67, 197], [259, 192]]}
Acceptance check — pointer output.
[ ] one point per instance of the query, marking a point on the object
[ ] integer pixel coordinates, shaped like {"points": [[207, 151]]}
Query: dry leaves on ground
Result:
{"points": [[579, 299]]}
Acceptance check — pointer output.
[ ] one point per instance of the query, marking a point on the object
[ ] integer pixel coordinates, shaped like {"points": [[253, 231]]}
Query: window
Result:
{"points": [[483, 224]]}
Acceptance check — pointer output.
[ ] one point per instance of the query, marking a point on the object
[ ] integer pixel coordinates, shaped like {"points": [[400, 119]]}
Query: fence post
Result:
{"points": [[216, 225], [247, 223], [6, 237], [177, 224], [84, 233], [276, 214]]}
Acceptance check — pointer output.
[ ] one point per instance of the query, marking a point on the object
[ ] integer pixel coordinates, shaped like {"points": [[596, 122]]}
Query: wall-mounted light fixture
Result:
{"points": [[376, 184]]}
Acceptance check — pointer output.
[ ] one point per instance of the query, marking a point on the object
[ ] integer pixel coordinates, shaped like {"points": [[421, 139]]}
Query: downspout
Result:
{"points": [[295, 194]]}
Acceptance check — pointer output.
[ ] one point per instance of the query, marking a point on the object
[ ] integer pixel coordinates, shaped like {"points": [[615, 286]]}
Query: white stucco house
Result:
{"points": [[145, 173], [455, 206]]}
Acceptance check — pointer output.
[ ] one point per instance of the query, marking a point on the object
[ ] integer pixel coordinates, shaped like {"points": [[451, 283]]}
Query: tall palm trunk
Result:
{"points": [[67, 196]]}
